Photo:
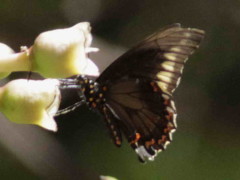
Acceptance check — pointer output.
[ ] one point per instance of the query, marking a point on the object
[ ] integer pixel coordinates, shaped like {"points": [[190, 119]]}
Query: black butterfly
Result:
{"points": [[134, 94]]}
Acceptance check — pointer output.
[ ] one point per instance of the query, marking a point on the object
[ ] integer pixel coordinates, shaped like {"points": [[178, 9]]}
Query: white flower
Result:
{"points": [[31, 102], [64, 52], [57, 53]]}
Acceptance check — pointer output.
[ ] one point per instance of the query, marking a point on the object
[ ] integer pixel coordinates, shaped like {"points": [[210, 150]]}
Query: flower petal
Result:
{"points": [[63, 53], [48, 123], [31, 102]]}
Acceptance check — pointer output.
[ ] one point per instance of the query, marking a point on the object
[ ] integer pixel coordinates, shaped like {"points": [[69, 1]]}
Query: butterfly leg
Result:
{"points": [[70, 108]]}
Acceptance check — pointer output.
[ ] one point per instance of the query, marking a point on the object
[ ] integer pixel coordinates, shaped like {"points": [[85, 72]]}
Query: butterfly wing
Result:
{"points": [[139, 87]]}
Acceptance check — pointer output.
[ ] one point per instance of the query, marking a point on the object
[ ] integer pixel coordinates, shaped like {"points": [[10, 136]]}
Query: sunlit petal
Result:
{"points": [[31, 102]]}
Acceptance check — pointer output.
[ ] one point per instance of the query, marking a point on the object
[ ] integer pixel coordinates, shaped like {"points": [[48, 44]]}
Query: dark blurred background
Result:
{"points": [[206, 144]]}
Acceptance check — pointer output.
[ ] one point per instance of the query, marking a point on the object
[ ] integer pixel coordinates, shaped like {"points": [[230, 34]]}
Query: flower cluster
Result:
{"points": [[59, 53]]}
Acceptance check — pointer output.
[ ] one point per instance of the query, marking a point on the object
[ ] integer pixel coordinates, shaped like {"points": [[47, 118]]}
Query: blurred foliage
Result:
{"points": [[206, 144]]}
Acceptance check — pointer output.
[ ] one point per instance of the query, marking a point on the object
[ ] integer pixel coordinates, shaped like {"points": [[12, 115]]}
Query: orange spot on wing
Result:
{"points": [[104, 88], [166, 102], [149, 143], [166, 130], [137, 137], [154, 86], [152, 83], [118, 142], [94, 105], [169, 116], [163, 140], [90, 99]]}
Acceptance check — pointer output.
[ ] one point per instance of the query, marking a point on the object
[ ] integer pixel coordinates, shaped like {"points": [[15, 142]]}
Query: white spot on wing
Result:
{"points": [[178, 82], [168, 67], [169, 109], [187, 34], [163, 86], [165, 145], [159, 150], [167, 74], [174, 119], [170, 135], [142, 152], [172, 66], [165, 78], [165, 96], [175, 49], [170, 56], [166, 87], [173, 104]]}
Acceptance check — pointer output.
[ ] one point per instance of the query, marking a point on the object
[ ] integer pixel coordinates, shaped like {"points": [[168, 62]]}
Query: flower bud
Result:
{"points": [[57, 53], [63, 53], [31, 102]]}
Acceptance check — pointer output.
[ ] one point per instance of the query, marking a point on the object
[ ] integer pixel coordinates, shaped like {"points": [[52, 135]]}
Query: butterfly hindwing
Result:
{"points": [[144, 113]]}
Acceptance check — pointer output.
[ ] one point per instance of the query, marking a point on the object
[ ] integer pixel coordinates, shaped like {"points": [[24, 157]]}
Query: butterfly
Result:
{"points": [[135, 93]]}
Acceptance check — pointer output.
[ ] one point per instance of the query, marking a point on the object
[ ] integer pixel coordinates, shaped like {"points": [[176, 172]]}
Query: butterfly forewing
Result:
{"points": [[166, 50], [140, 84]]}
